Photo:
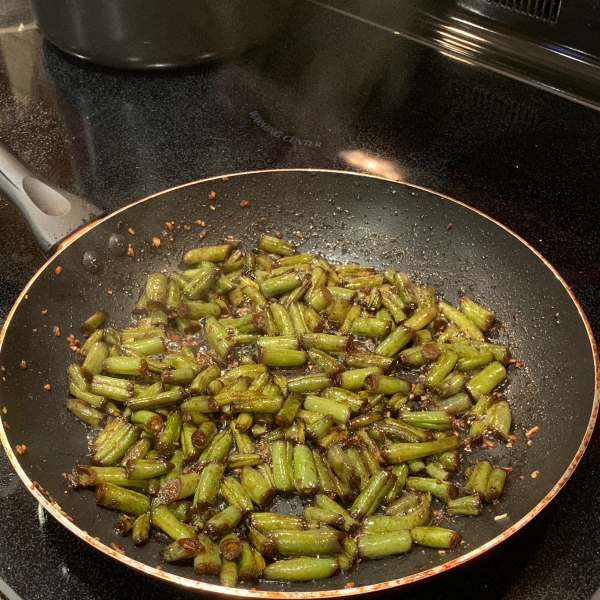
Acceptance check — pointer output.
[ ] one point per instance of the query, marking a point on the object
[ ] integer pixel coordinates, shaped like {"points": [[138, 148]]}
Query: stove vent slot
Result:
{"points": [[544, 10]]}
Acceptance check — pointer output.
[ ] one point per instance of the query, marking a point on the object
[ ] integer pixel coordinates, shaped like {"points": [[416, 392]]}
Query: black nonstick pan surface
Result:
{"points": [[343, 216]]}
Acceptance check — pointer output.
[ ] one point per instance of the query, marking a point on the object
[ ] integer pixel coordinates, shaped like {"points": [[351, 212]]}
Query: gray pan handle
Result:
{"points": [[51, 213]]}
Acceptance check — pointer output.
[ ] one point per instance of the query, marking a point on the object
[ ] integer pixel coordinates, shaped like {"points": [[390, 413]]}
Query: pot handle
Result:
{"points": [[51, 213]]}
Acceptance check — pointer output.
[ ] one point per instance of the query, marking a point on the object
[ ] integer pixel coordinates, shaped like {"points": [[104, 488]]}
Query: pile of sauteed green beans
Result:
{"points": [[254, 376]]}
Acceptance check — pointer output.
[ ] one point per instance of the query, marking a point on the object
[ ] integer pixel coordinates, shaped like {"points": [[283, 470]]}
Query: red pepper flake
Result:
{"points": [[201, 223], [47, 387], [212, 195], [159, 568], [110, 292], [521, 477], [45, 311], [58, 270], [6, 425], [169, 224], [518, 364], [56, 330], [23, 364], [131, 231], [449, 227], [350, 584], [225, 178], [244, 203], [21, 449], [532, 431], [117, 548], [130, 251], [156, 241], [278, 234], [535, 474], [187, 227], [34, 330]]}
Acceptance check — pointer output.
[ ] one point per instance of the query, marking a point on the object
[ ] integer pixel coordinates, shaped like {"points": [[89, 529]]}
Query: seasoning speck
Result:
{"points": [[6, 425], [201, 223], [35, 330], [225, 178], [45, 311], [187, 227], [500, 517], [131, 231], [535, 474], [212, 195], [532, 431], [110, 292], [21, 449], [58, 270], [213, 207], [117, 548], [244, 203], [350, 584], [449, 227], [202, 235], [47, 387], [156, 242], [23, 364], [56, 330], [130, 251]]}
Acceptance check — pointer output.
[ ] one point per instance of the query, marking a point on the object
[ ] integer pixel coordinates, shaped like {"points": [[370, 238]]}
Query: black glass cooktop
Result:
{"points": [[328, 91]]}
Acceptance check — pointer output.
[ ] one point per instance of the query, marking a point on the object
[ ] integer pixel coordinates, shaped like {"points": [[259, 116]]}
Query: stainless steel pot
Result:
{"points": [[154, 34]]}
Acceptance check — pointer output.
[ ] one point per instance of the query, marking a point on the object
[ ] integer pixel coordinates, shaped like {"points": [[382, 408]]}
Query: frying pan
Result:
{"points": [[347, 217]]}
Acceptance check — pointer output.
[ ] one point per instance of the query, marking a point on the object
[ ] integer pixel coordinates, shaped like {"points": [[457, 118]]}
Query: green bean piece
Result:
{"points": [[273, 245], [140, 531], [384, 544], [141, 468], [177, 488], [478, 480], [216, 335], [498, 419], [416, 466], [266, 522], [281, 358], [435, 537], [486, 380], [208, 486], [123, 525], [359, 360], [441, 368], [404, 504], [463, 322], [77, 377], [401, 452], [283, 470], [306, 479], [371, 327], [247, 570], [208, 561], [156, 291], [325, 406], [326, 342], [138, 450], [181, 549], [436, 471], [484, 319], [121, 499], [467, 505], [146, 346], [115, 447], [400, 430], [88, 475], [395, 341], [353, 453], [301, 569], [217, 253], [342, 466], [93, 322], [95, 358], [308, 542], [495, 485], [223, 522], [278, 285], [228, 576], [329, 517], [235, 495], [354, 401], [230, 546], [160, 399], [87, 413], [444, 490], [313, 320], [454, 405], [385, 384], [355, 379], [472, 363], [125, 365], [366, 501], [438, 420], [257, 486]]}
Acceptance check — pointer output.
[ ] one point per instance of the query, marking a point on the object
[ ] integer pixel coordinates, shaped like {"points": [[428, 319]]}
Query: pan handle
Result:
{"points": [[51, 213]]}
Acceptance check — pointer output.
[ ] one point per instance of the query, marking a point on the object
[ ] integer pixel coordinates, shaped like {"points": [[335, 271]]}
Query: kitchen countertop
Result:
{"points": [[345, 95]]}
